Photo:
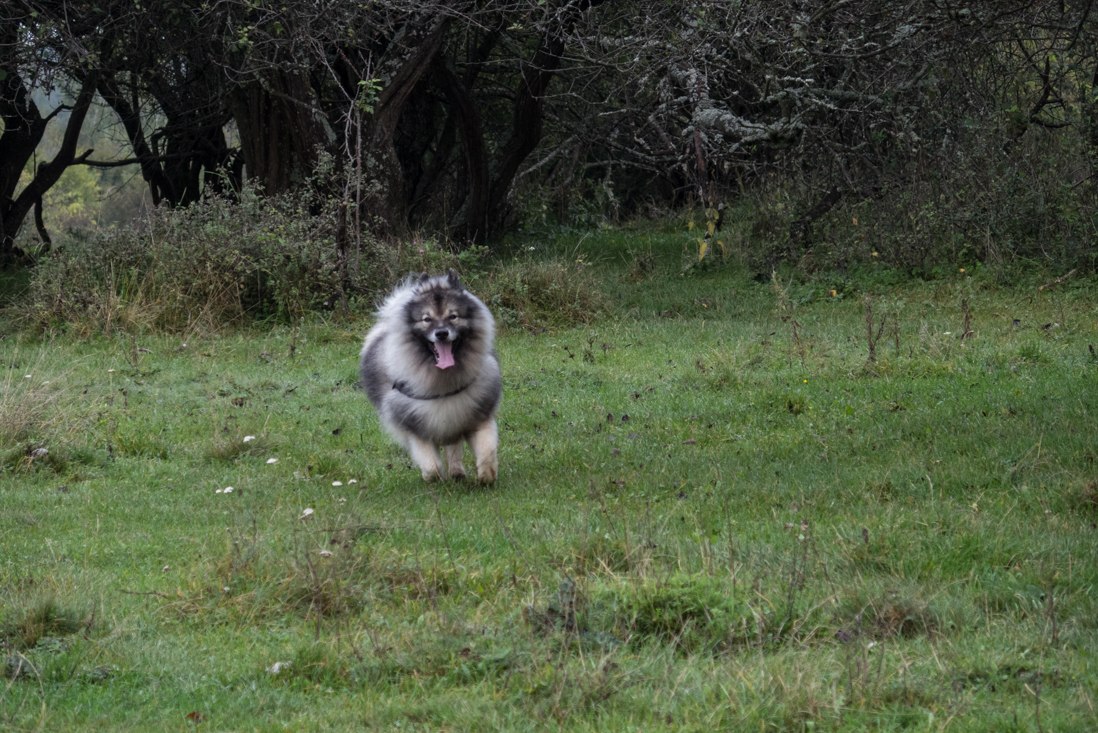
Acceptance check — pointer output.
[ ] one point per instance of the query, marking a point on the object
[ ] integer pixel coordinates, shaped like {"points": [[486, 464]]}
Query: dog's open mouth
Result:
{"points": [[444, 354]]}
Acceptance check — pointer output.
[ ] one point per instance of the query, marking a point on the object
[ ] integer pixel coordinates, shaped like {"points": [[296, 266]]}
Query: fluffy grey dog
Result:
{"points": [[429, 368]]}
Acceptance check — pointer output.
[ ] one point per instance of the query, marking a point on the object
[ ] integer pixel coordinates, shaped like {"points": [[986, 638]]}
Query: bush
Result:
{"points": [[538, 293], [967, 200], [218, 261], [525, 292], [221, 262]]}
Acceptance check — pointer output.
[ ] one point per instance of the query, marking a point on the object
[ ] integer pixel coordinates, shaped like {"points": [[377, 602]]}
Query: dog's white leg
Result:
{"points": [[453, 461], [426, 457], [484, 443]]}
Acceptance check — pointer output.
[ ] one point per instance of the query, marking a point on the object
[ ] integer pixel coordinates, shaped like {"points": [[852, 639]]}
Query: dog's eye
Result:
{"points": [[453, 316], [426, 319]]}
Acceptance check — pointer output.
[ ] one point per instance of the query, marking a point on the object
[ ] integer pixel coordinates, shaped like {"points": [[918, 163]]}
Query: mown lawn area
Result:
{"points": [[714, 512]]}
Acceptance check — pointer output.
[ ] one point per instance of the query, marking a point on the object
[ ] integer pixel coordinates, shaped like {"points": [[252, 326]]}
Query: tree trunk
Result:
{"points": [[25, 125], [192, 147], [799, 229], [476, 156], [130, 117], [527, 119], [399, 75], [281, 129], [23, 129], [526, 122]]}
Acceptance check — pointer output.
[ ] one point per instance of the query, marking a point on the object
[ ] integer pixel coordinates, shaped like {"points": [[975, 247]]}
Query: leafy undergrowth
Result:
{"points": [[714, 512]]}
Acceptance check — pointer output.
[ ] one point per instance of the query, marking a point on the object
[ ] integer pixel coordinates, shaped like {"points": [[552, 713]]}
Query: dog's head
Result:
{"points": [[443, 316]]}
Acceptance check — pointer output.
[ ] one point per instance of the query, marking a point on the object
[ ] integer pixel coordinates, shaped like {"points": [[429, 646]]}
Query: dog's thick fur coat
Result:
{"points": [[429, 367]]}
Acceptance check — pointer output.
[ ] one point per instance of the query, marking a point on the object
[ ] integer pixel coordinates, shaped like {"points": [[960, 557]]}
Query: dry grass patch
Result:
{"points": [[887, 616], [325, 574], [27, 629], [1084, 499], [544, 293], [29, 406]]}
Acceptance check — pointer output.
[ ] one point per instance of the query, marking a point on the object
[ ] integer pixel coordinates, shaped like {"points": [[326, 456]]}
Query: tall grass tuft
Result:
{"points": [[41, 621], [28, 404], [539, 293]]}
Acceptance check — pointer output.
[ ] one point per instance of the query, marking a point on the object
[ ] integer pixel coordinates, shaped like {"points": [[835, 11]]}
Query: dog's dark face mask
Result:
{"points": [[441, 319]]}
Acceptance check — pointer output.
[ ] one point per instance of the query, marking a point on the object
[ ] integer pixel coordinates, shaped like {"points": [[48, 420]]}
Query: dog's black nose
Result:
{"points": [[442, 335]]}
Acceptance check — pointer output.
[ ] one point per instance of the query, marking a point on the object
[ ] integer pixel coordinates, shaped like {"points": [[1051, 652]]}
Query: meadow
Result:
{"points": [[733, 500]]}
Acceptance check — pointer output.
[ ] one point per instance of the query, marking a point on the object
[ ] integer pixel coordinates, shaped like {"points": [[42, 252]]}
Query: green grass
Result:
{"points": [[703, 520]]}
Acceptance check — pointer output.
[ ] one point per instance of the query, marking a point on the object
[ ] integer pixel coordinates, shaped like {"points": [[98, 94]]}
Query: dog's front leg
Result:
{"points": [[426, 457], [484, 443], [453, 461]]}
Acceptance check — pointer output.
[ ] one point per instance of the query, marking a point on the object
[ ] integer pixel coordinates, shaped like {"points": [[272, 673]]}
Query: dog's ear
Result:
{"points": [[421, 277], [453, 280]]}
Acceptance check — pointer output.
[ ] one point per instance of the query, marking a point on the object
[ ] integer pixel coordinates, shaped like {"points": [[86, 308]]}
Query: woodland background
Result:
{"points": [[824, 133]]}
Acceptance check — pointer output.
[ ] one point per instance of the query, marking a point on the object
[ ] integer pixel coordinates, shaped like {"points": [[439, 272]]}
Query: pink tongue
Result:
{"points": [[445, 355]]}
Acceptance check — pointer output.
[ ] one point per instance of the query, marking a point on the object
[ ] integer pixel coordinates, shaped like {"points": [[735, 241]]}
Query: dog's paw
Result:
{"points": [[458, 475], [430, 476], [486, 474]]}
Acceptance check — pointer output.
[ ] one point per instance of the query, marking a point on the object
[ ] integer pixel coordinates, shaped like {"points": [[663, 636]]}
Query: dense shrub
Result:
{"points": [[528, 291], [217, 261], [221, 262], [1032, 206]]}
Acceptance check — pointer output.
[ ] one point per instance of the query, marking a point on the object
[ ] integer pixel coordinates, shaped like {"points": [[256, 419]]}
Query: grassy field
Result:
{"points": [[714, 512]]}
